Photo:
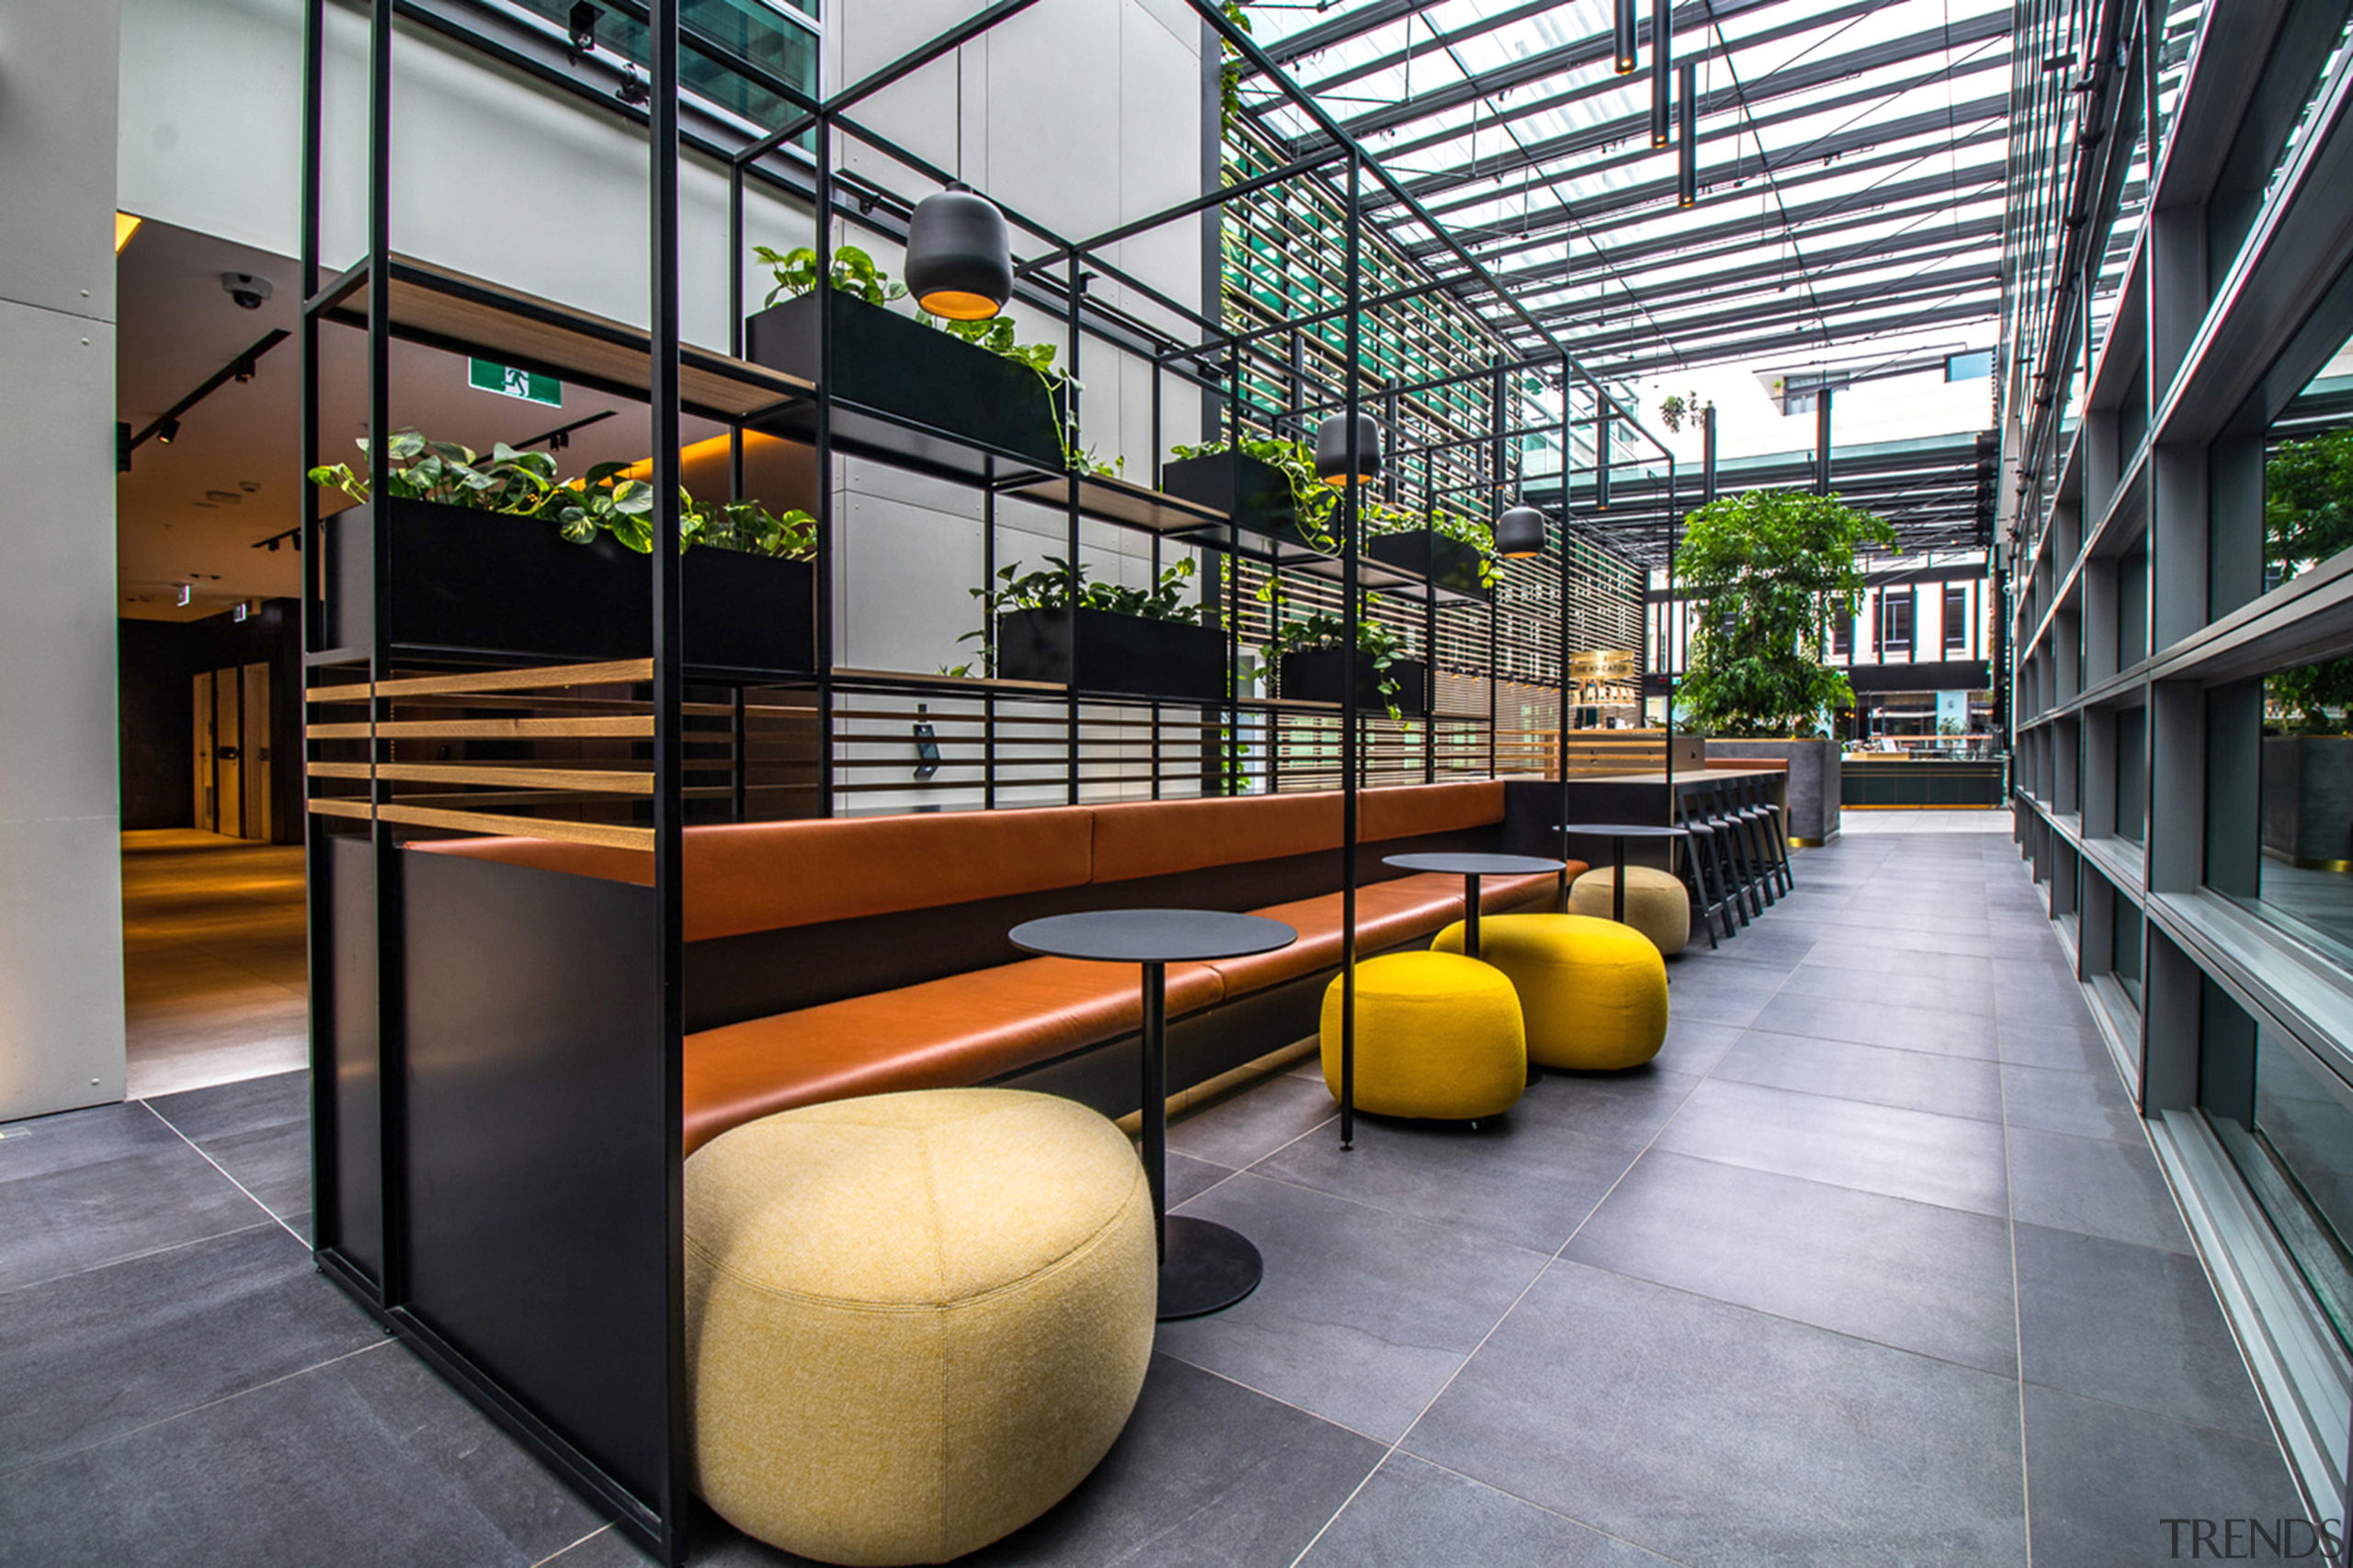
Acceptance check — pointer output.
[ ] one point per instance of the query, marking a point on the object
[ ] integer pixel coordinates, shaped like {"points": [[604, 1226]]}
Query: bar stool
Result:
{"points": [[1704, 861]]}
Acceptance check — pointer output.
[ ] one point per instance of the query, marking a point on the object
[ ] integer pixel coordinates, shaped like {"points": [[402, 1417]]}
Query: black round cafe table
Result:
{"points": [[1618, 832], [1203, 1265], [1471, 867]]}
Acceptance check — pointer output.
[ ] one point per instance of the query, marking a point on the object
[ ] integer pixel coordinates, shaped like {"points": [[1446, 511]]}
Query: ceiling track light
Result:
{"points": [[1662, 69], [1332, 465], [1625, 49], [168, 431]]}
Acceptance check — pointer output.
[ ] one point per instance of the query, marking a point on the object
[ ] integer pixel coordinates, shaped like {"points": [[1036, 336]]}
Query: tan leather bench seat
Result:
{"points": [[974, 1027], [967, 1028]]}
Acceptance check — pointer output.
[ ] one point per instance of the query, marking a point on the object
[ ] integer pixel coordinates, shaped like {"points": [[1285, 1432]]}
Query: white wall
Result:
{"points": [[61, 867]]}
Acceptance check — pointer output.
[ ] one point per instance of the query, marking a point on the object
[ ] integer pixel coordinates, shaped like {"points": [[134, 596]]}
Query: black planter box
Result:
{"points": [[480, 582], [1255, 493], [1314, 676], [942, 397], [1122, 655], [1445, 563]]}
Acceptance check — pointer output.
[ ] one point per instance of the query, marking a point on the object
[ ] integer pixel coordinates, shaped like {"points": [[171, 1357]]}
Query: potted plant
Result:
{"points": [[1763, 569], [943, 388], [498, 554], [1104, 638], [1267, 485], [1453, 552], [1309, 656]]}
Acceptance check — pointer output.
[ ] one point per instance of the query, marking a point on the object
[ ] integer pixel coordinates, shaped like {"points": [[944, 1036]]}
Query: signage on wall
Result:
{"points": [[1952, 709], [509, 381]]}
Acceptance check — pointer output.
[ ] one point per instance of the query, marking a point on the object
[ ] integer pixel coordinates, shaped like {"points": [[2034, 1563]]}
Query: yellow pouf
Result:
{"points": [[1593, 991], [1656, 903], [1437, 1036], [913, 1322]]}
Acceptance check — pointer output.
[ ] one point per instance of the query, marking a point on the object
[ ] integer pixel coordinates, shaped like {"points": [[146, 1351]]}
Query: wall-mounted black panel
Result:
{"points": [[537, 1159], [344, 1044]]}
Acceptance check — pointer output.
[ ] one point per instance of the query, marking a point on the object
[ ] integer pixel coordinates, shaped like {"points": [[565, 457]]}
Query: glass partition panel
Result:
{"points": [[2286, 1117]]}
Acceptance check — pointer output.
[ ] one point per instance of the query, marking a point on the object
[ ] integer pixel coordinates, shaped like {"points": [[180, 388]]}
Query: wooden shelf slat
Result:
{"points": [[610, 835], [450, 311], [496, 681], [596, 780], [639, 727], [1122, 501]]}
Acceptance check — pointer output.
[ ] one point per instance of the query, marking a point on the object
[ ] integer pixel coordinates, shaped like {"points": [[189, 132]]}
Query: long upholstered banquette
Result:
{"points": [[855, 956]]}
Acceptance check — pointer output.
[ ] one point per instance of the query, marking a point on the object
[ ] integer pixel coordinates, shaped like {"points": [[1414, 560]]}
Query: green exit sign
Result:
{"points": [[509, 381]]}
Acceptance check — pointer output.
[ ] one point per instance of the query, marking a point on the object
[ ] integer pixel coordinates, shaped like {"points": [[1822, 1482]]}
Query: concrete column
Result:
{"points": [[61, 865]]}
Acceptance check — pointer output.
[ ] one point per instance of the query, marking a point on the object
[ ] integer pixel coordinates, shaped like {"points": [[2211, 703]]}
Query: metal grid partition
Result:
{"points": [[499, 1041]]}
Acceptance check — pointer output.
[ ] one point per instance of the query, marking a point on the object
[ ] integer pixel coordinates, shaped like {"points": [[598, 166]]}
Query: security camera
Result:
{"points": [[248, 291]]}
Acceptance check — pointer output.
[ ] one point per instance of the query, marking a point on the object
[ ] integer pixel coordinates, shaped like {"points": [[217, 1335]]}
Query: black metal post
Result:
{"points": [[1567, 583], [1821, 440], [1707, 454], [1068, 414], [1154, 1107], [822, 448], [1350, 614], [1601, 452], [669, 750], [391, 1038]]}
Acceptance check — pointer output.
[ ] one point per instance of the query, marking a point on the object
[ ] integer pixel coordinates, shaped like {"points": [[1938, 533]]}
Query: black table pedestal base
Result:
{"points": [[1208, 1267]]}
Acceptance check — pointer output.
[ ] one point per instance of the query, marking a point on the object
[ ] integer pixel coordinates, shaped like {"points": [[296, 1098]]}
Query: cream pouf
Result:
{"points": [[913, 1322], [1656, 903]]}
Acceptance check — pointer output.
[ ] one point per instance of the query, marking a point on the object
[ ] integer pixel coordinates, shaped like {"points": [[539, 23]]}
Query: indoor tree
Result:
{"points": [[1762, 569], [2307, 519]]}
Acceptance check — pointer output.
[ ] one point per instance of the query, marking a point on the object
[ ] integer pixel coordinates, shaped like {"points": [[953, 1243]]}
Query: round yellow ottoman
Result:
{"points": [[913, 1322], [1438, 1036], [1656, 903], [1593, 991]]}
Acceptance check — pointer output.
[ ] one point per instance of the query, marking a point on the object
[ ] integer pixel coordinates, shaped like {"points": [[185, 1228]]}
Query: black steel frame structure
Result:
{"points": [[497, 1049]]}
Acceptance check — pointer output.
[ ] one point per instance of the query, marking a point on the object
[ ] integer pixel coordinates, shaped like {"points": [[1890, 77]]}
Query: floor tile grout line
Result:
{"points": [[233, 1181], [131, 1432], [583, 1541], [1845, 1334], [261, 1224], [1544, 1508], [2017, 1320], [1504, 1316], [1225, 1377]]}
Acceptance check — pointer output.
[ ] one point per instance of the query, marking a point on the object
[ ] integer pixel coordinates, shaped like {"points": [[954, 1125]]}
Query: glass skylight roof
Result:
{"points": [[1851, 160]]}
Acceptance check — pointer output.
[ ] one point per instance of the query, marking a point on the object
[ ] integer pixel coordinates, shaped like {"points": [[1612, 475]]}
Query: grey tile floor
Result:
{"points": [[1872, 1266]]}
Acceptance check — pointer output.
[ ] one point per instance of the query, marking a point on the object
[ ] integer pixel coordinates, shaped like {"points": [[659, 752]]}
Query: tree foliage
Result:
{"points": [[1762, 569], [2308, 517]]}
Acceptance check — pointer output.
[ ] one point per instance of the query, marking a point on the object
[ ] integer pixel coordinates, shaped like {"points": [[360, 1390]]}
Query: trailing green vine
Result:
{"points": [[855, 273], [1049, 588], [515, 483]]}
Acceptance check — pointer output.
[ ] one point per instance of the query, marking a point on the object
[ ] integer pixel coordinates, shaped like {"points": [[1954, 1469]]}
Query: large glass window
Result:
{"points": [[2133, 774], [1895, 622], [2279, 800], [2285, 1117], [735, 53]]}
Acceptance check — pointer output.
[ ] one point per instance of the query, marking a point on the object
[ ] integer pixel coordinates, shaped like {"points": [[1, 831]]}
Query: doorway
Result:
{"points": [[232, 760]]}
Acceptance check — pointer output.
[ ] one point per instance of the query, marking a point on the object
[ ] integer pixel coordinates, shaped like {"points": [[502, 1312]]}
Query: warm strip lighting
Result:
{"points": [[125, 225]]}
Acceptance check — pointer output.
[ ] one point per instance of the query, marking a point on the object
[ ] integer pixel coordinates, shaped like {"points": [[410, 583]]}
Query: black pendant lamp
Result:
{"points": [[960, 259], [1332, 451], [1519, 534]]}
